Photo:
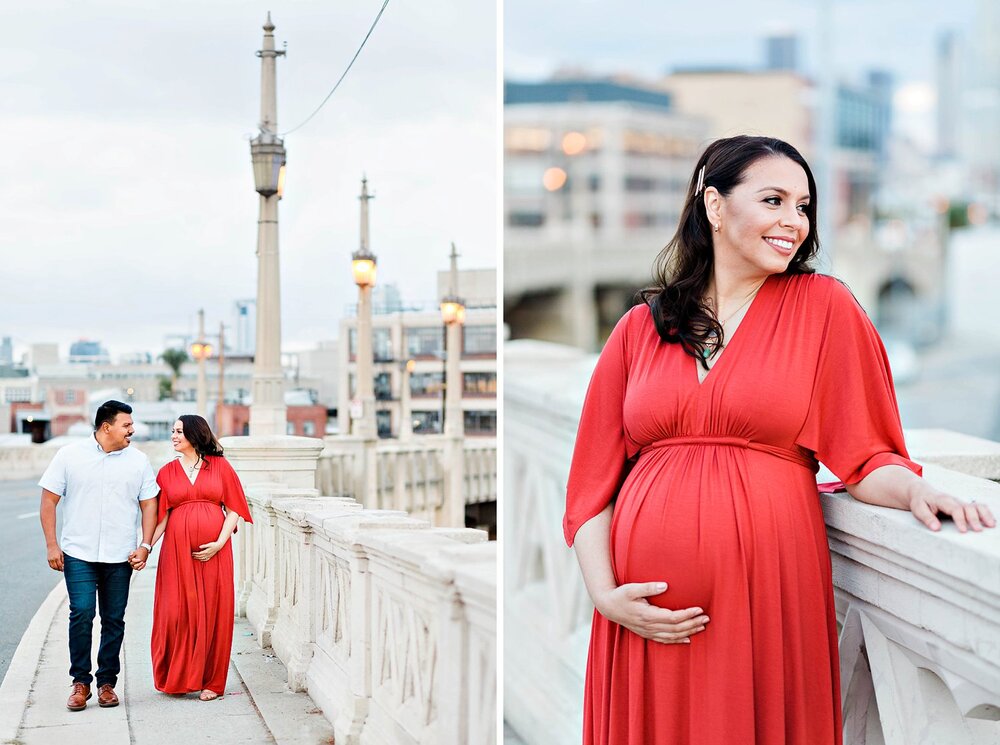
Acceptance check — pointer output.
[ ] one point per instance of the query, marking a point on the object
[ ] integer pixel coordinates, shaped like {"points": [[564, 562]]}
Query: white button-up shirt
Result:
{"points": [[101, 493]]}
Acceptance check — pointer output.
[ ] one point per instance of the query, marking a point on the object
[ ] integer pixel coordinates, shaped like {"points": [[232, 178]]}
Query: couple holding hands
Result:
{"points": [[193, 504]]}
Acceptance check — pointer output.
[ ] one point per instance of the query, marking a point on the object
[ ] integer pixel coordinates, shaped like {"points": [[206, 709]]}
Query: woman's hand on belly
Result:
{"points": [[627, 606], [208, 550]]}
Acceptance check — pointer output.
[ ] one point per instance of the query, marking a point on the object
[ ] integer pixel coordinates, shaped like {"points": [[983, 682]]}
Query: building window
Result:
{"points": [[479, 340], [426, 384], [290, 428], [17, 395], [381, 344], [425, 341], [526, 219], [383, 387], [640, 183], [383, 422], [480, 422], [309, 428], [426, 422], [70, 396], [479, 384]]}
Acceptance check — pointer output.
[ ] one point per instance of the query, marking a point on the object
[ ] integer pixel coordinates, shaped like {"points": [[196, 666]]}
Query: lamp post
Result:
{"points": [[363, 408], [201, 350], [267, 150], [406, 409], [453, 315], [222, 379], [363, 269]]}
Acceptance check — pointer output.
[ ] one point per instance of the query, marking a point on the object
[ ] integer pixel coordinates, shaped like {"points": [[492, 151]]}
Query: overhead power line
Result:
{"points": [[341, 80]]}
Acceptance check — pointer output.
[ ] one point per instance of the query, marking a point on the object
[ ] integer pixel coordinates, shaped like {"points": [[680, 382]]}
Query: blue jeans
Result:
{"points": [[90, 582]]}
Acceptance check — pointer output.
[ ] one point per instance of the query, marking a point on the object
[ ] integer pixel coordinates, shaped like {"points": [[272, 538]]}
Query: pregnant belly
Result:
{"points": [[704, 519], [193, 524]]}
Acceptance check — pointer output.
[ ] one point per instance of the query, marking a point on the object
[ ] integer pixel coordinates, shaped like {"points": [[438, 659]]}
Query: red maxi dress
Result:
{"points": [[193, 607], [722, 505]]}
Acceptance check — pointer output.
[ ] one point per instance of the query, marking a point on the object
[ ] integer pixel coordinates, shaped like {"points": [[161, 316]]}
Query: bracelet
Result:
{"points": [[146, 546]]}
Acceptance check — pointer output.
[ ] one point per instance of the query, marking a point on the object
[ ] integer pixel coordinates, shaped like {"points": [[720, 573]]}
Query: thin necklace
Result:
{"points": [[191, 470], [715, 346]]}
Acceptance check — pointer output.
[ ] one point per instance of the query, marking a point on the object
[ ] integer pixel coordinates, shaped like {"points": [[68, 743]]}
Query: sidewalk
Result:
{"points": [[258, 706]]}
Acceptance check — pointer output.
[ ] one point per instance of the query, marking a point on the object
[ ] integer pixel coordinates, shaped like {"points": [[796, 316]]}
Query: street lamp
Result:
{"points": [[268, 415], [267, 152], [453, 315], [363, 269], [406, 410], [201, 350]]}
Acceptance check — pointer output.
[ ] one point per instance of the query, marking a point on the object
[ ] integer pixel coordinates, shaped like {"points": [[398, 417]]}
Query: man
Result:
{"points": [[106, 485]]}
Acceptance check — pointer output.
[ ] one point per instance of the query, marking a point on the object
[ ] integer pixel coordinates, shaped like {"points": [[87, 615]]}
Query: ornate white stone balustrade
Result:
{"points": [[410, 475], [389, 624], [920, 646]]}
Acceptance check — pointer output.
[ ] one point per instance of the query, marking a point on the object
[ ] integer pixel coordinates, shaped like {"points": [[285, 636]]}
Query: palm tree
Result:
{"points": [[174, 359]]}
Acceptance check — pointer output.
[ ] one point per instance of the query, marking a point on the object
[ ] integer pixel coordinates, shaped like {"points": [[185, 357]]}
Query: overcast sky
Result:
{"points": [[127, 195], [653, 38]]}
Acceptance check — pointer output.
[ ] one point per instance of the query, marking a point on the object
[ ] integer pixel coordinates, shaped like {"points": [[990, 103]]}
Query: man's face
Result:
{"points": [[119, 433]]}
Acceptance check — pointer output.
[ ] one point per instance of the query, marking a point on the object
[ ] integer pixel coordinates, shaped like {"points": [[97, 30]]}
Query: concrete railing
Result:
{"points": [[920, 647], [389, 624], [29, 461], [410, 475]]}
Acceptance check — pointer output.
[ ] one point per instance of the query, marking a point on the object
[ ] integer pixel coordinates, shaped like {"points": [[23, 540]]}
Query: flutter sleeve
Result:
{"points": [[163, 482], [233, 497], [853, 423], [600, 452]]}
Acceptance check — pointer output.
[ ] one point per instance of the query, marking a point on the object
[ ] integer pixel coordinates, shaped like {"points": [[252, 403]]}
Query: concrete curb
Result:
{"points": [[291, 718], [17, 683]]}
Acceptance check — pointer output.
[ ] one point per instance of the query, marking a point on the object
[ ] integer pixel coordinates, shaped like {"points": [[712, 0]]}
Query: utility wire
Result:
{"points": [[341, 80]]}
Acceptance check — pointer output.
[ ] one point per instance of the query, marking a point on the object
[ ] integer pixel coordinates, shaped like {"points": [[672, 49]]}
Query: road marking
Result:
{"points": [[26, 515]]}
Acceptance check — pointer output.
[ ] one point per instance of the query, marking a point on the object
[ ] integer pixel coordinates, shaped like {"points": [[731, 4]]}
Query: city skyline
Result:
{"points": [[134, 204], [895, 36]]}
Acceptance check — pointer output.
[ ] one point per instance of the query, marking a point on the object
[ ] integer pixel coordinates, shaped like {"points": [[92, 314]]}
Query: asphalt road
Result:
{"points": [[25, 577]]}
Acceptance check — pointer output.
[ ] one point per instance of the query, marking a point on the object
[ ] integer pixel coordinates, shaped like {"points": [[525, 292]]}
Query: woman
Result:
{"points": [[707, 562], [201, 499]]}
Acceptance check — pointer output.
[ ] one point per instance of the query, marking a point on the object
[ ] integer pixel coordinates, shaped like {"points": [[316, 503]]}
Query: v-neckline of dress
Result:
{"points": [[198, 475], [724, 354]]}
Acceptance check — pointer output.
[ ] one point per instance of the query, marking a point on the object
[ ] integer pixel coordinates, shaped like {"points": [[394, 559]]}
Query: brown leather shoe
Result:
{"points": [[106, 697], [78, 699]]}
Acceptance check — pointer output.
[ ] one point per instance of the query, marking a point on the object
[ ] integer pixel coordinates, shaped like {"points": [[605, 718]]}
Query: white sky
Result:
{"points": [[128, 198]]}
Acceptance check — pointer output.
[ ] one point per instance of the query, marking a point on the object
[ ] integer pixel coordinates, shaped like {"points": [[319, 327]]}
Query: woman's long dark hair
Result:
{"points": [[200, 435], [684, 267]]}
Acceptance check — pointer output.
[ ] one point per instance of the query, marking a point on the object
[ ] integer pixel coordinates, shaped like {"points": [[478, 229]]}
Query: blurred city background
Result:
{"points": [[896, 105], [134, 209]]}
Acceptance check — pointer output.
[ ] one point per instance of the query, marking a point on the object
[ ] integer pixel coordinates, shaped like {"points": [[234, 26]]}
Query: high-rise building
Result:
{"points": [[781, 52], [88, 351], [948, 94], [417, 335], [6, 351], [246, 328], [595, 174]]}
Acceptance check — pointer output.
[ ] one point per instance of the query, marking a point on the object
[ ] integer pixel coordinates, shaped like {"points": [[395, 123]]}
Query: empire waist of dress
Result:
{"points": [[795, 456]]}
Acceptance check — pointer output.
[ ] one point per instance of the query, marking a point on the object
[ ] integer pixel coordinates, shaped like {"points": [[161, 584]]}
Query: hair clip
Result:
{"points": [[701, 181]]}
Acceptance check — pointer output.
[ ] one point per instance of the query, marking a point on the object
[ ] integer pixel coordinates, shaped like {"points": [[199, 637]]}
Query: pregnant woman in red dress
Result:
{"points": [[707, 562], [201, 499]]}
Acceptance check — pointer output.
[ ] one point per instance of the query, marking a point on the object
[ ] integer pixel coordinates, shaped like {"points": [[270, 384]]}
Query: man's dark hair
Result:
{"points": [[107, 412]]}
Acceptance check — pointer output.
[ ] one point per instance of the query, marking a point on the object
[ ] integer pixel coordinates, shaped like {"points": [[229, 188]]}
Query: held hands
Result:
{"points": [[138, 558], [208, 550], [627, 606], [928, 502], [55, 557]]}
